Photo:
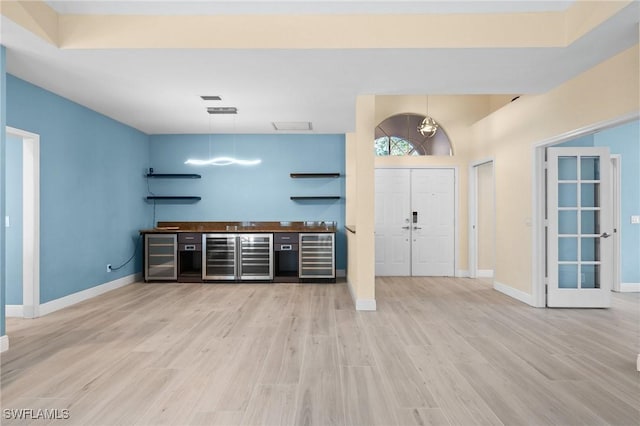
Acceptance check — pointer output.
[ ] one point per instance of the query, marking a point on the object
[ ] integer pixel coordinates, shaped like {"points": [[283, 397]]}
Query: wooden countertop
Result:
{"points": [[204, 227]]}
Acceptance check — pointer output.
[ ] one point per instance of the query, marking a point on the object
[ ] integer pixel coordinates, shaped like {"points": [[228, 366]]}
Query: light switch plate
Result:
{"points": [[635, 219], [7, 223]]}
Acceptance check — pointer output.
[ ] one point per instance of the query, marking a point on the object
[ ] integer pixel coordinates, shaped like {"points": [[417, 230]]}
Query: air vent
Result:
{"points": [[222, 110], [211, 98], [292, 125]]}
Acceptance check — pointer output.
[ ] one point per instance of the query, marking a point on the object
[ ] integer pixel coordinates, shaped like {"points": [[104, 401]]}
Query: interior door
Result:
{"points": [[433, 220], [579, 217], [392, 227]]}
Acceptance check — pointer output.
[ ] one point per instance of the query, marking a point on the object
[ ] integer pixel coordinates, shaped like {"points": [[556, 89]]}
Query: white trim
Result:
{"points": [[514, 293], [629, 287], [341, 273], [462, 273], [72, 299], [361, 304], [30, 220], [616, 197], [638, 363], [4, 343], [538, 198], [485, 273], [366, 305], [13, 311]]}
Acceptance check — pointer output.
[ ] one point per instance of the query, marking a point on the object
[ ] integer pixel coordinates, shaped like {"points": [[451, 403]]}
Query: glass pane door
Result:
{"points": [[578, 227]]}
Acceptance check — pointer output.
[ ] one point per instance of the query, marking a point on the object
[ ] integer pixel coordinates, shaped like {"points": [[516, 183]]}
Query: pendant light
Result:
{"points": [[428, 127]]}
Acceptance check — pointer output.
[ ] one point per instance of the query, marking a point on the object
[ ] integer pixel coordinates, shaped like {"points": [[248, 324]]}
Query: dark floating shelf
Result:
{"points": [[314, 175], [174, 175], [318, 197], [173, 197]]}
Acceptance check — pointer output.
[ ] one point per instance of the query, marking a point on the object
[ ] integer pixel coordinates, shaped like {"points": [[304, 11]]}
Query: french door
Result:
{"points": [[415, 222], [579, 250]]}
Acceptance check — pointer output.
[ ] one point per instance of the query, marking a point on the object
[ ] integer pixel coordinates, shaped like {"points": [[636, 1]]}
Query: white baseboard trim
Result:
{"points": [[14, 311], [629, 287], [361, 304], [638, 363], [462, 273], [513, 292], [4, 343], [341, 273], [485, 273], [72, 299], [366, 305]]}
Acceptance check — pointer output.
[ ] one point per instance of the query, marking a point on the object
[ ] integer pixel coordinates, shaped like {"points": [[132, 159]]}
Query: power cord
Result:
{"points": [[137, 243]]}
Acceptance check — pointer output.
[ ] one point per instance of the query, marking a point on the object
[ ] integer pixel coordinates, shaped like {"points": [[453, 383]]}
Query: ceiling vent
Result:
{"points": [[292, 125], [211, 98], [222, 110]]}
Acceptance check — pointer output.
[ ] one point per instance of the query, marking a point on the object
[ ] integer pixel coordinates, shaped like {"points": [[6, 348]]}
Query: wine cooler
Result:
{"points": [[237, 257]]}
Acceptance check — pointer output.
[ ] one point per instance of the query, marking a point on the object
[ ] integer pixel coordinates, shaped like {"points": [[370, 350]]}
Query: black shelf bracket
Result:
{"points": [[174, 197]]}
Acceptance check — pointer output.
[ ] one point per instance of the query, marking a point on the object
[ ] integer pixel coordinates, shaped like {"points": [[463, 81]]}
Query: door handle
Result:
{"points": [[406, 227], [605, 235], [416, 227]]}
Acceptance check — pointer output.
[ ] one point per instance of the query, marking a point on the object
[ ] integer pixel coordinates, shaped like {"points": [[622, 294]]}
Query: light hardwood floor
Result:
{"points": [[437, 351]]}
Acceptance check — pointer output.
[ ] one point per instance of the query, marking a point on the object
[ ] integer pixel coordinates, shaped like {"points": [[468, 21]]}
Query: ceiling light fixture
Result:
{"points": [[428, 127], [222, 161], [222, 110]]}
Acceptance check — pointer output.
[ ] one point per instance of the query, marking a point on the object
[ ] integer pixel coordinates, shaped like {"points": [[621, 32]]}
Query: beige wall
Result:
{"points": [[606, 92], [485, 216], [359, 186]]}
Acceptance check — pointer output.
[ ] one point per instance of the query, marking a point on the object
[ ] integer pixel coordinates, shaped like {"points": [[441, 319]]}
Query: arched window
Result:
{"points": [[399, 135]]}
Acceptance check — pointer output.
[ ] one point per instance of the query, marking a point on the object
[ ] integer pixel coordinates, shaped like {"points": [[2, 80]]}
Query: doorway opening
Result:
{"points": [[482, 219], [30, 225], [541, 237]]}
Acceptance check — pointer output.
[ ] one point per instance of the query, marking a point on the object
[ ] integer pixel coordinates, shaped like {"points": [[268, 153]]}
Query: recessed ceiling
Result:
{"points": [[158, 90], [302, 7]]}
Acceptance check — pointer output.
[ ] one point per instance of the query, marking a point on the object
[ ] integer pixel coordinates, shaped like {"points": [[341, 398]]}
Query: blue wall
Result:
{"points": [[13, 234], [3, 114], [91, 189], [252, 193], [623, 140]]}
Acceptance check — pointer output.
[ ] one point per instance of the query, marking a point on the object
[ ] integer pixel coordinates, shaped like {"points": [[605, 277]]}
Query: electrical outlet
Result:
{"points": [[635, 219], [108, 267]]}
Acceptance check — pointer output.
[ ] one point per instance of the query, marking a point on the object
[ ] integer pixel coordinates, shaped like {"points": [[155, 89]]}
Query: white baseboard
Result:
{"points": [[341, 273], [629, 287], [72, 299], [14, 311], [462, 273], [513, 292], [638, 363], [361, 304], [4, 343], [366, 305], [485, 273]]}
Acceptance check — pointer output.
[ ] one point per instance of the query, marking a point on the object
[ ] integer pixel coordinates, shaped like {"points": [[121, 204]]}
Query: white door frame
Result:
{"points": [[538, 195], [473, 214], [616, 197], [30, 221], [456, 203]]}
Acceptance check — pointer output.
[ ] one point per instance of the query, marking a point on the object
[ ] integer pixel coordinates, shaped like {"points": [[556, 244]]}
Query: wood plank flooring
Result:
{"points": [[437, 352]]}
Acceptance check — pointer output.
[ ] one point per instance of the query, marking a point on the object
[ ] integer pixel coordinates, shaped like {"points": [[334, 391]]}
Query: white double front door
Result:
{"points": [[415, 222]]}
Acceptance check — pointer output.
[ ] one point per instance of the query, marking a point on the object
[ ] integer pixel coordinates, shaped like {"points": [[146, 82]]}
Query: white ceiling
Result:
{"points": [[157, 90]]}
